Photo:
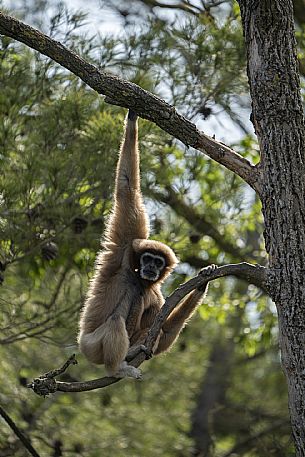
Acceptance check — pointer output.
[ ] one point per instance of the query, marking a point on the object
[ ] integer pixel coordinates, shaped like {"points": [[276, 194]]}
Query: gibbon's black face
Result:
{"points": [[151, 266]]}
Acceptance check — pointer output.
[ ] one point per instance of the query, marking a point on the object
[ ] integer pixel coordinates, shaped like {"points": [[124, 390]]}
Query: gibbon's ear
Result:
{"points": [[156, 247]]}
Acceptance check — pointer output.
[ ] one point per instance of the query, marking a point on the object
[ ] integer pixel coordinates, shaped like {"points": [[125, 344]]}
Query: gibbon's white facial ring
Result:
{"points": [[151, 266]]}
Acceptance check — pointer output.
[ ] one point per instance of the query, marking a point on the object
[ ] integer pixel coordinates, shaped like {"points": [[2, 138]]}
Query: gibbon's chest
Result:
{"points": [[152, 299]]}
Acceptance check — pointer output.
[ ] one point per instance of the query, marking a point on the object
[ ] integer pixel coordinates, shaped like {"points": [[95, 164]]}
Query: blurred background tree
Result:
{"points": [[220, 391]]}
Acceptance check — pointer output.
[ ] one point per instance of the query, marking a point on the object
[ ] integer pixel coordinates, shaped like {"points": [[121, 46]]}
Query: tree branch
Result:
{"points": [[25, 441], [255, 274], [247, 444], [183, 6], [129, 95], [198, 221]]}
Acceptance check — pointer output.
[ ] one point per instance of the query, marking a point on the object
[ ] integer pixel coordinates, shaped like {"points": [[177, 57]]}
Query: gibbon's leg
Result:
{"points": [[133, 320], [139, 346], [109, 343], [180, 315], [138, 338]]}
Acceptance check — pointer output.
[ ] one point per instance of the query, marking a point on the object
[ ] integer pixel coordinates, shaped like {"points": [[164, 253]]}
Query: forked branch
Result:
{"points": [[129, 95], [254, 274]]}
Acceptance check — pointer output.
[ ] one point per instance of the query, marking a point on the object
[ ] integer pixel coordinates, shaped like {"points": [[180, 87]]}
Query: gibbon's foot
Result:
{"points": [[206, 272], [127, 371], [135, 350]]}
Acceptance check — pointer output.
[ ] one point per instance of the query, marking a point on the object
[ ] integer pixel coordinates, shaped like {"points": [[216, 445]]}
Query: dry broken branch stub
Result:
{"points": [[46, 384], [129, 95]]}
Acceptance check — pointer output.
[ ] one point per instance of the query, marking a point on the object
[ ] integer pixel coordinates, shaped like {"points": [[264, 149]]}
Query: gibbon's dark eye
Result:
{"points": [[159, 263], [146, 258]]}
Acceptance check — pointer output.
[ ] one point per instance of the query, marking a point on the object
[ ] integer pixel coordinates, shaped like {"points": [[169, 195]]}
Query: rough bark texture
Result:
{"points": [[279, 123]]}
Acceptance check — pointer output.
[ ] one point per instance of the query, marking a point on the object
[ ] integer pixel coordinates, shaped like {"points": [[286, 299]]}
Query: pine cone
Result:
{"points": [[205, 111], [49, 250], [194, 238], [79, 224]]}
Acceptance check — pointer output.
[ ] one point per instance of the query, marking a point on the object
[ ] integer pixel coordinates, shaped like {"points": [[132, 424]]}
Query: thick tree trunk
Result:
{"points": [[279, 123]]}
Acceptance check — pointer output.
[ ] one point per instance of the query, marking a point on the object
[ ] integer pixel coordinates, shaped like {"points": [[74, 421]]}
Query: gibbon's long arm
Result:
{"points": [[129, 219], [177, 320], [172, 326], [181, 314]]}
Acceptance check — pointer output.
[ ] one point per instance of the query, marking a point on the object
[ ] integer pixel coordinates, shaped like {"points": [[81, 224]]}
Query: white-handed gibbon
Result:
{"points": [[125, 293]]}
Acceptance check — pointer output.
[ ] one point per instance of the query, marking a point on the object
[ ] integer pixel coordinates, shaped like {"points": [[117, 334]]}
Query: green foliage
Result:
{"points": [[195, 63]]}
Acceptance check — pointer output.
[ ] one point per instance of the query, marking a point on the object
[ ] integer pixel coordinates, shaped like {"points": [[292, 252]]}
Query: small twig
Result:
{"points": [[255, 274], [47, 383], [25, 441], [51, 374]]}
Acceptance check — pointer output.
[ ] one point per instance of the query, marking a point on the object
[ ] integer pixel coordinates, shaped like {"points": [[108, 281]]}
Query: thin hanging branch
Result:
{"points": [[255, 274], [129, 95], [25, 441]]}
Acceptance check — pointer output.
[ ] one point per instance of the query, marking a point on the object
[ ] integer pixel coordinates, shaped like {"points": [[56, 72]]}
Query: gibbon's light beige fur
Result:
{"points": [[125, 293]]}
